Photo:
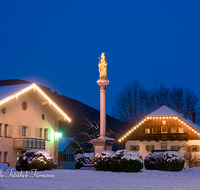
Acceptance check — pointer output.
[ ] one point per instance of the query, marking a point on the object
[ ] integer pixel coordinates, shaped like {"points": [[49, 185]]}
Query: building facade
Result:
{"points": [[162, 130], [28, 120]]}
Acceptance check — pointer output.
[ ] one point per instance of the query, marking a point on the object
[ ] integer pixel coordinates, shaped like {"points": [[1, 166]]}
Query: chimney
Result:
{"points": [[194, 117]]}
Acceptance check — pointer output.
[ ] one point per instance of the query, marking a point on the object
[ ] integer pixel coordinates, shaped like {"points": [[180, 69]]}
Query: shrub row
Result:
{"points": [[121, 161], [165, 161]]}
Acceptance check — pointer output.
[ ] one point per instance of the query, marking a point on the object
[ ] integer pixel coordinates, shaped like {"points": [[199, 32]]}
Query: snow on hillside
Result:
{"points": [[91, 179]]}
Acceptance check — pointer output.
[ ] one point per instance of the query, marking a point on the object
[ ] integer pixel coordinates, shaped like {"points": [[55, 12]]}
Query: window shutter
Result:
{"points": [[146, 147], [29, 131], [190, 148], [197, 148], [38, 132], [7, 131], [178, 148], [172, 147], [49, 134], [10, 130], [152, 147], [20, 131], [138, 148]]}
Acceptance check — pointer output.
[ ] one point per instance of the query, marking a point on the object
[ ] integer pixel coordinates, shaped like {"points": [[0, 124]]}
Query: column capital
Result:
{"points": [[103, 83]]}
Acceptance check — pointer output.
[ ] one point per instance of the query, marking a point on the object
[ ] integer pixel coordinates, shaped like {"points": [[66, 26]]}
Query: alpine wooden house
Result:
{"points": [[162, 130]]}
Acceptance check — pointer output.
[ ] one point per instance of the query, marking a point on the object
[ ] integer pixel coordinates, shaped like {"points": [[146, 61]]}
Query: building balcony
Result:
{"points": [[163, 136], [28, 143]]}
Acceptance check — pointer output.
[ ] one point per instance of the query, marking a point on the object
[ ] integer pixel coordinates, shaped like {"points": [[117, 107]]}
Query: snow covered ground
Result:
{"points": [[91, 179]]}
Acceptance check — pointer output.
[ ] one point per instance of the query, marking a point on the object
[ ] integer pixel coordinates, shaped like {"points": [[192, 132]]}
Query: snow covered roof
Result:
{"points": [[165, 112], [63, 143], [8, 93]]}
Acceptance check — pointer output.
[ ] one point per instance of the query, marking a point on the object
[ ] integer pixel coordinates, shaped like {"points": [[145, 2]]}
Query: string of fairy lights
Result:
{"points": [[147, 118], [35, 87]]}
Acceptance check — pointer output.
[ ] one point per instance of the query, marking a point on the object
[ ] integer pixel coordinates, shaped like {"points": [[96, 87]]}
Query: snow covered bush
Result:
{"points": [[121, 161], [165, 161], [35, 159], [83, 160], [102, 160], [126, 161]]}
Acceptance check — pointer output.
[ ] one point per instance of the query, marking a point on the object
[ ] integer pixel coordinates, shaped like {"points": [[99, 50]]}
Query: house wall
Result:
{"points": [[32, 117]]}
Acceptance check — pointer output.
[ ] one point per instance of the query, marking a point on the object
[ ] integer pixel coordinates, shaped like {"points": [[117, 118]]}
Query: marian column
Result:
{"points": [[102, 143]]}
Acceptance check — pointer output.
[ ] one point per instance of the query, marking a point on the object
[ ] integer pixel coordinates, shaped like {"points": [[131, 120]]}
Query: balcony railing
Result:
{"points": [[164, 136], [29, 143]]}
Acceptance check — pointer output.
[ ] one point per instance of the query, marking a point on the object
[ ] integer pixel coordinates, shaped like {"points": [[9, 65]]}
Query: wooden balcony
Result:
{"points": [[163, 136], [28, 143]]}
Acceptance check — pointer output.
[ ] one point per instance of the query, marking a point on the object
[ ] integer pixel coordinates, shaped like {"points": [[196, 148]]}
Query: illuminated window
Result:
{"points": [[154, 130], [163, 146], [147, 130], [134, 147], [180, 130], [164, 129], [173, 129]]}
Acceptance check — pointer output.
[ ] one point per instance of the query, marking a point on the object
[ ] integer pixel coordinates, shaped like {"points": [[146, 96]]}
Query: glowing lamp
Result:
{"points": [[58, 135]]}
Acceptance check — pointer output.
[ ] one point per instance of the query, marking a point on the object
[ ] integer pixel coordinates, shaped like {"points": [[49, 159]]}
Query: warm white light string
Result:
{"points": [[147, 118], [34, 86]]}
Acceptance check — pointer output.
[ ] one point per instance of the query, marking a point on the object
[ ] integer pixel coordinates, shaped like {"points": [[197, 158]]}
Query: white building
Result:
{"points": [[28, 120]]}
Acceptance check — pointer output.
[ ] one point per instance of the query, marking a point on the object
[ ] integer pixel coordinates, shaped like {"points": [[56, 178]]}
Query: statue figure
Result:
{"points": [[103, 67]]}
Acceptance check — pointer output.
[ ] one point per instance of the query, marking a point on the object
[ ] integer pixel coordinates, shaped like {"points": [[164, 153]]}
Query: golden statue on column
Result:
{"points": [[103, 67]]}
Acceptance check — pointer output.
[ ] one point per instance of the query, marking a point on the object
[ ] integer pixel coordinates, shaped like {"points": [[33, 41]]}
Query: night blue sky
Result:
{"points": [[57, 44]]}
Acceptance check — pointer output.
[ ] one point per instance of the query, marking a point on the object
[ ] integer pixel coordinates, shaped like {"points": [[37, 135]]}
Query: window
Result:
{"points": [[43, 116], [134, 147], [164, 129], [180, 130], [5, 158], [163, 146], [39, 132], [42, 144], [3, 110], [24, 131], [34, 143], [173, 130], [47, 134], [7, 130], [154, 130], [61, 157], [147, 130], [30, 143], [24, 105], [71, 158], [38, 143], [194, 148], [175, 147], [149, 147], [65, 157], [0, 129]]}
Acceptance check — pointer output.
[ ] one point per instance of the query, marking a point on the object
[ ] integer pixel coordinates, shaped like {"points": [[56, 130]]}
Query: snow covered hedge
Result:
{"points": [[165, 161], [83, 160], [35, 159], [121, 161]]}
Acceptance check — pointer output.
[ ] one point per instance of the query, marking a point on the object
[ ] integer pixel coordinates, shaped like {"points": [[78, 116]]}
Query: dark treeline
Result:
{"points": [[134, 102]]}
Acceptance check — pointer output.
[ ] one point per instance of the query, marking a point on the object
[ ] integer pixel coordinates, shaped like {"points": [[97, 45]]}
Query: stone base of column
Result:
{"points": [[102, 143]]}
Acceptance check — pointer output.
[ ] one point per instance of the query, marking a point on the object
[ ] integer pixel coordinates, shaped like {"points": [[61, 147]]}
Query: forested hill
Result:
{"points": [[76, 110]]}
